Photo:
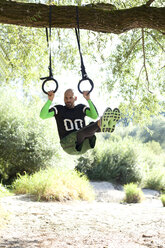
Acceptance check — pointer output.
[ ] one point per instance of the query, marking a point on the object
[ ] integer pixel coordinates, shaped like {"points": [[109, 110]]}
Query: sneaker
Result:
{"points": [[109, 120]]}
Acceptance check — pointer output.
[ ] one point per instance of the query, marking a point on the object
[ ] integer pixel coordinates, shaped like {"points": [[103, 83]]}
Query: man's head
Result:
{"points": [[69, 98]]}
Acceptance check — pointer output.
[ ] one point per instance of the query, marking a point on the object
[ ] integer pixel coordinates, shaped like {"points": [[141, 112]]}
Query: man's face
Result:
{"points": [[69, 99]]}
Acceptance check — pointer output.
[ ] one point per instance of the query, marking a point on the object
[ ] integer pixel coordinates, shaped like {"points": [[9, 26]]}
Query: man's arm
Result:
{"points": [[92, 111], [44, 114]]}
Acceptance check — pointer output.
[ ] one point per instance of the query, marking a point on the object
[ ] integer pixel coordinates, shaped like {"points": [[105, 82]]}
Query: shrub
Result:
{"points": [[157, 129], [26, 142], [155, 179], [54, 184], [133, 193], [154, 132], [4, 191], [113, 160], [163, 199], [155, 147]]}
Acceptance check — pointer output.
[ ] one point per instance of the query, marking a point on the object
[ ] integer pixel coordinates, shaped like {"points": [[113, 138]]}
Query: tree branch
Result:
{"points": [[96, 19], [155, 40], [144, 61], [163, 33], [131, 49], [149, 3], [139, 75], [137, 84], [162, 67]]}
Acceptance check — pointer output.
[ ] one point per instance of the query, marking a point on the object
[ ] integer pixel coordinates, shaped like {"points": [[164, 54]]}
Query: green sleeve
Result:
{"points": [[92, 112], [44, 114]]}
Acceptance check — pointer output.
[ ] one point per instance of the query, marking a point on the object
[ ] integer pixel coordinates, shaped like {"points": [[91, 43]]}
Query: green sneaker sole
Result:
{"points": [[109, 120]]}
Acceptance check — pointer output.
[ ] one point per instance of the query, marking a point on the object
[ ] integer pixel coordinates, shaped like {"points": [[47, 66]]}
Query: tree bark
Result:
{"points": [[90, 18]]}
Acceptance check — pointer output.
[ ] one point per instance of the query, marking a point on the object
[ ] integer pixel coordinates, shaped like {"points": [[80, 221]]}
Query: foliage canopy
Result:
{"points": [[130, 65]]}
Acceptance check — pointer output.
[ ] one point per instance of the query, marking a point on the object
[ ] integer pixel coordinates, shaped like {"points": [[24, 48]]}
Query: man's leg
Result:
{"points": [[87, 132], [105, 124]]}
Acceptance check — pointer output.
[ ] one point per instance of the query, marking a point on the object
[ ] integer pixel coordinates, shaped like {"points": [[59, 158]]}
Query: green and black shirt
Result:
{"points": [[69, 119]]}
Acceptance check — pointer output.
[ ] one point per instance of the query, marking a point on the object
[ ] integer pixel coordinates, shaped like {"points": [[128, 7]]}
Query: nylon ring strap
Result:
{"points": [[48, 37], [49, 41], [77, 30], [84, 74]]}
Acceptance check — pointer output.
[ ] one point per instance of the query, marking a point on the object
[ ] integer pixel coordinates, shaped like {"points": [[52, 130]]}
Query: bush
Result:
{"points": [[148, 158], [155, 147], [157, 130], [4, 191], [154, 132], [155, 179], [163, 199], [113, 160], [54, 184], [26, 142], [133, 193]]}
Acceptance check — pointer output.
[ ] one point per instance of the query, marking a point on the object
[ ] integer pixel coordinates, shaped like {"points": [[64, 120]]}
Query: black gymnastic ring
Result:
{"points": [[50, 79], [91, 83]]}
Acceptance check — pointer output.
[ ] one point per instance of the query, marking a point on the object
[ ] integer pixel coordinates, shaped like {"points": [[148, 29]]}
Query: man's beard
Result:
{"points": [[69, 105]]}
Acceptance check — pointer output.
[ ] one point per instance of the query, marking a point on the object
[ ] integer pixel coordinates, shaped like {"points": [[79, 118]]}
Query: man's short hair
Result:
{"points": [[69, 90]]}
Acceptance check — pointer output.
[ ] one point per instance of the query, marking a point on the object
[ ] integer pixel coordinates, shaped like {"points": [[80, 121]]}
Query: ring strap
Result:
{"points": [[48, 38], [77, 30]]}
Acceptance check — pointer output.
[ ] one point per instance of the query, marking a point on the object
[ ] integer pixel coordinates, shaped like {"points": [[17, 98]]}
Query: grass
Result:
{"points": [[3, 214], [133, 194], [4, 191], [163, 199], [55, 184], [155, 179]]}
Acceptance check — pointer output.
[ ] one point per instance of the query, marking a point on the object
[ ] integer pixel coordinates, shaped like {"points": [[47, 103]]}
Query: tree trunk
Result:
{"points": [[90, 17]]}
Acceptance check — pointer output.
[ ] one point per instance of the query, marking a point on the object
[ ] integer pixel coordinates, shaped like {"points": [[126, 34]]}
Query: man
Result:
{"points": [[75, 136]]}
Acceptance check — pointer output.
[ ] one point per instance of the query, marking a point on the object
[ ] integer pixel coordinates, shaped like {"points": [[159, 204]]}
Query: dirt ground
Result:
{"points": [[104, 223]]}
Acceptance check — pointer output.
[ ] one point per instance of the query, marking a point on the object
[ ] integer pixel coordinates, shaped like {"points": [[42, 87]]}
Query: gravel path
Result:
{"points": [[104, 223]]}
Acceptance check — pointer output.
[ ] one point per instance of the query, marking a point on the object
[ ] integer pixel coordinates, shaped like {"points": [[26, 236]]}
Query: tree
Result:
{"points": [[133, 60], [97, 17]]}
